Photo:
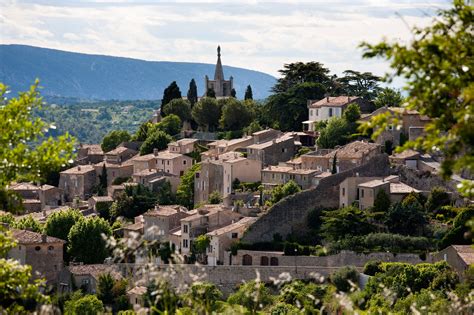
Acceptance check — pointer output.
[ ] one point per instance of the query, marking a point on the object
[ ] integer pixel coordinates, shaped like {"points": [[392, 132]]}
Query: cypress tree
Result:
{"points": [[192, 93], [233, 93], [211, 93], [334, 164], [170, 93], [248, 93], [103, 180]]}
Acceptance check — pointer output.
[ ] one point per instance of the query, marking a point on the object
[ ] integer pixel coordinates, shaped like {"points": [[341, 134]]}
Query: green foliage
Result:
{"points": [[185, 192], [103, 180], [282, 191], [18, 293], [211, 93], [202, 297], [335, 133], [388, 97], [7, 218], [284, 309], [437, 199], [372, 267], [58, 224], [300, 72], [406, 218], [253, 295], [236, 114], [135, 201], [253, 127], [171, 125], [355, 83], [104, 288], [207, 113], [199, 246], [343, 222], [156, 140], [215, 198], [179, 107], [457, 234], [437, 67], [170, 93], [87, 305], [302, 296], [161, 298], [345, 278], [248, 93], [192, 95], [85, 241], [120, 180], [352, 113], [25, 151], [381, 202], [28, 223], [113, 139]]}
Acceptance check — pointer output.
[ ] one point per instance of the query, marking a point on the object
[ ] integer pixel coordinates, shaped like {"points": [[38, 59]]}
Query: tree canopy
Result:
{"points": [[389, 98], [156, 140], [192, 95], [236, 114], [170, 93], [113, 139], [179, 107], [248, 93], [207, 113]]}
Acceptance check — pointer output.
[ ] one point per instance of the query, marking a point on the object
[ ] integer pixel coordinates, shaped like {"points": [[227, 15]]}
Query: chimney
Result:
{"points": [[348, 99], [78, 167], [155, 152], [327, 99], [44, 238]]}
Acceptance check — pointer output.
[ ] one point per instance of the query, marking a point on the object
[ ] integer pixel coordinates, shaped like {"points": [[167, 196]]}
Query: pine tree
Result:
{"points": [[248, 93], [192, 93], [170, 93]]}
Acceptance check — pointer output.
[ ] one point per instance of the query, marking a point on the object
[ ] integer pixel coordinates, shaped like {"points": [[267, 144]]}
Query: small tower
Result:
{"points": [[221, 87]]}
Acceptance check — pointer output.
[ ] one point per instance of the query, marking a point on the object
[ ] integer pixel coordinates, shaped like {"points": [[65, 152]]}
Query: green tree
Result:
{"points": [[19, 294], [157, 140], [113, 139], [103, 181], [58, 224], [388, 97], [133, 202], [142, 132], [347, 221], [206, 113], [215, 198], [236, 115], [199, 247], [179, 107], [334, 164], [28, 223], [352, 113], [458, 232], [105, 286], [87, 305], [171, 125], [192, 93], [85, 241], [248, 93], [170, 93], [25, 151], [364, 84], [233, 93], [185, 191], [253, 295], [406, 218], [438, 198], [381, 202], [211, 93], [343, 277], [335, 133], [282, 191], [202, 297], [437, 67], [299, 72], [253, 127]]}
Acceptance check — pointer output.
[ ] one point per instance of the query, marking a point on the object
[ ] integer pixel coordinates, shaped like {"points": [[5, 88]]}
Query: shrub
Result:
{"points": [[372, 267], [343, 277]]}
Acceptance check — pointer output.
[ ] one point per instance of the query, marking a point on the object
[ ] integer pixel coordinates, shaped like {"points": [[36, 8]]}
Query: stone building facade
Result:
{"points": [[78, 181], [274, 151]]}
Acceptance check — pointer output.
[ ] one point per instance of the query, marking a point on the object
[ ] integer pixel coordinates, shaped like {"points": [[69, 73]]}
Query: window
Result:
{"points": [[37, 248], [330, 112], [343, 191], [185, 228], [362, 193], [167, 162], [185, 243], [317, 112], [197, 175], [234, 235], [184, 162]]}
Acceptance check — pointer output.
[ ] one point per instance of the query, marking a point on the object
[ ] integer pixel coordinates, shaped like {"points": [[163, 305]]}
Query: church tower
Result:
{"points": [[221, 87]]}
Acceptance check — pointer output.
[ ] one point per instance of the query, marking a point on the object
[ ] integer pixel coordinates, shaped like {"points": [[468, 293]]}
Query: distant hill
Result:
{"points": [[85, 76]]}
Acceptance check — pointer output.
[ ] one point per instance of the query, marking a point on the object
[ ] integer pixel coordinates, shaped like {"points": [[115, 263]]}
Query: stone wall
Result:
{"points": [[344, 258], [289, 215]]}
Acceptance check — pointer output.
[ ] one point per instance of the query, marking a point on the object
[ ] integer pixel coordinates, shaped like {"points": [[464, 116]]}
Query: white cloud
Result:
{"points": [[253, 34]]}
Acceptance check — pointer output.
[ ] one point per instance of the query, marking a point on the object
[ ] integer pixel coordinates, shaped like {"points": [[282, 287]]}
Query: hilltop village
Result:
{"points": [[186, 200]]}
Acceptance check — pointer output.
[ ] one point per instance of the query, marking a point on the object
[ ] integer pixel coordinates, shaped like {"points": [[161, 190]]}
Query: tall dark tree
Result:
{"points": [[248, 93], [103, 179], [170, 93], [233, 93], [192, 93], [300, 72], [211, 93], [334, 164], [364, 84]]}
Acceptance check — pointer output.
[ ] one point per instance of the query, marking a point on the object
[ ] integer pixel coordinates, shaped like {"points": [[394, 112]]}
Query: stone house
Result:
{"points": [[329, 107], [86, 277], [159, 221], [265, 135], [114, 170], [412, 124], [51, 196], [459, 257], [137, 227], [182, 146], [409, 158], [36, 198], [120, 155], [203, 220], [154, 179], [218, 174], [144, 162], [98, 200], [43, 253], [221, 239], [347, 157], [173, 163], [278, 175], [222, 146], [89, 154], [78, 181], [136, 297], [274, 151]]}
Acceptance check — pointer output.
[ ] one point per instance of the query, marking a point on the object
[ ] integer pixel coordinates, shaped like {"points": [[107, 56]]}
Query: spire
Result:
{"points": [[219, 74]]}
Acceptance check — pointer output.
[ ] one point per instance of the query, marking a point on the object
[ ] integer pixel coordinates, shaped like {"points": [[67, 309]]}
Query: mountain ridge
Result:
{"points": [[103, 77]]}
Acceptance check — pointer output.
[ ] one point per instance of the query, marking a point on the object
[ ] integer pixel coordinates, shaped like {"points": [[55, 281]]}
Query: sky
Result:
{"points": [[258, 35]]}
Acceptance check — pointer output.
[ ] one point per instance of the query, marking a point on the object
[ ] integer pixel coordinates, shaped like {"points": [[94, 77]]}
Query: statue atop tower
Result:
{"points": [[222, 88]]}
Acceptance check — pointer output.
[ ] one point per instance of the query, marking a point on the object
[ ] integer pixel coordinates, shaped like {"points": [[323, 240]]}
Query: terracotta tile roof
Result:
{"points": [[407, 154], [466, 252], [119, 150], [164, 211], [166, 155], [79, 170], [336, 101], [373, 183], [278, 169], [244, 222], [184, 141], [401, 188], [138, 290], [24, 186], [146, 157], [29, 237], [93, 149], [354, 150], [264, 145]]}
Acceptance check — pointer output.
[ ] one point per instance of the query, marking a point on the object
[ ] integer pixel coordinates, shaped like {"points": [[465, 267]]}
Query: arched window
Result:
{"points": [[273, 261], [247, 260], [37, 248], [264, 261]]}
